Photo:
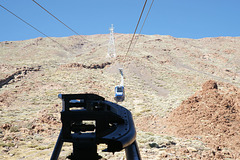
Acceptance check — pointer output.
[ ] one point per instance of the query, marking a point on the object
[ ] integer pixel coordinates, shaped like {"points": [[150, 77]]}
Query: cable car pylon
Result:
{"points": [[111, 45], [119, 89]]}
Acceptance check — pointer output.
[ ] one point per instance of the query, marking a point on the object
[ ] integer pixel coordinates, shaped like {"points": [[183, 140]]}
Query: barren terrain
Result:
{"points": [[183, 93]]}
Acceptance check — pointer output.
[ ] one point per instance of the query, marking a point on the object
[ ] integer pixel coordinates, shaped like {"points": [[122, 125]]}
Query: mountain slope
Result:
{"points": [[160, 72]]}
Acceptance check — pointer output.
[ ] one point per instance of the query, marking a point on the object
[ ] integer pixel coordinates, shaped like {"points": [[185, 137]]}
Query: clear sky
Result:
{"points": [[178, 18]]}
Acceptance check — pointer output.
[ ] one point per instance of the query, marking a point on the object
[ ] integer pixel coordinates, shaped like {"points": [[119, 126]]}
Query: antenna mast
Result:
{"points": [[111, 45]]}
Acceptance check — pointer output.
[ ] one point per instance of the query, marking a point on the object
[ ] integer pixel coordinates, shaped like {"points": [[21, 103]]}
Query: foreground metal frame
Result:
{"points": [[89, 120]]}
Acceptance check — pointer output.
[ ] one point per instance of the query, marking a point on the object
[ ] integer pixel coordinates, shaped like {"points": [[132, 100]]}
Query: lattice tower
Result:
{"points": [[111, 45]]}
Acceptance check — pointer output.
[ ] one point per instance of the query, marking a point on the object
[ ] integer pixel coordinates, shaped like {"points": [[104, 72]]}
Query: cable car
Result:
{"points": [[119, 93]]}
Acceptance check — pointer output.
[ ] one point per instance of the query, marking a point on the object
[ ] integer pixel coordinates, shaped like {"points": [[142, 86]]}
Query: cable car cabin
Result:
{"points": [[119, 93]]}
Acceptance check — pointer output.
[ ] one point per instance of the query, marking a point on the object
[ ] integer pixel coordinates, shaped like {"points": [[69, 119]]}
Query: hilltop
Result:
{"points": [[162, 75]]}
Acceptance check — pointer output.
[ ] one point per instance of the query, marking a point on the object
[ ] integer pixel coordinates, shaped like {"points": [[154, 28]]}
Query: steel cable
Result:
{"points": [[57, 19], [136, 27], [143, 24], [34, 27]]}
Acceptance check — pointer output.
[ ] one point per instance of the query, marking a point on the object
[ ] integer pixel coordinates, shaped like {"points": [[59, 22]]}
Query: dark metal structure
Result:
{"points": [[89, 120]]}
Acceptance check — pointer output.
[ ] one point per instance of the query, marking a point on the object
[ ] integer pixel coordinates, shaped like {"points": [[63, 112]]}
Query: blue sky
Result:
{"points": [[178, 18]]}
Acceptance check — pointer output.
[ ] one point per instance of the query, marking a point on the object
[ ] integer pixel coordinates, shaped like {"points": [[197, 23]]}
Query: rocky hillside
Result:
{"points": [[160, 74]]}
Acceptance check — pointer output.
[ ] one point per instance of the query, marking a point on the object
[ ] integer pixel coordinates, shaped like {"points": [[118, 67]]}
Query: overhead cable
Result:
{"points": [[57, 18], [143, 23], [136, 27], [34, 27]]}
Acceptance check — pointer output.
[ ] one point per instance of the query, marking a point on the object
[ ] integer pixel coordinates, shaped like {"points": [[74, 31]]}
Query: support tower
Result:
{"points": [[111, 45]]}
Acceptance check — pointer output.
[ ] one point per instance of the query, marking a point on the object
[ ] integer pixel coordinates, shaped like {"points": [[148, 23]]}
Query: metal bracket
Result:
{"points": [[112, 125]]}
